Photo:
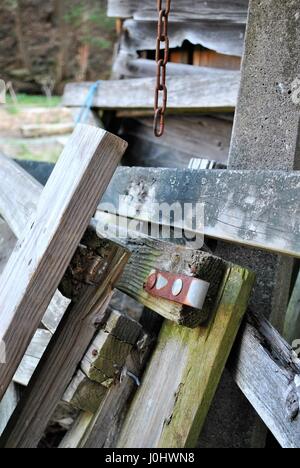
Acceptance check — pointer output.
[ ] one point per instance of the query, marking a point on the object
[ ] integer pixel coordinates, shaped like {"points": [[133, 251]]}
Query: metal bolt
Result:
{"points": [[177, 287], [151, 282]]}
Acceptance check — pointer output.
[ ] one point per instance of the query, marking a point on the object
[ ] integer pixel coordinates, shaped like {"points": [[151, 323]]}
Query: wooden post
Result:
{"points": [[171, 406], [265, 136], [39, 260]]}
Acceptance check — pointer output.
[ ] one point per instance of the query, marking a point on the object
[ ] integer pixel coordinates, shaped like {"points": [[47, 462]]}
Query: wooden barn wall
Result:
{"points": [[204, 35]]}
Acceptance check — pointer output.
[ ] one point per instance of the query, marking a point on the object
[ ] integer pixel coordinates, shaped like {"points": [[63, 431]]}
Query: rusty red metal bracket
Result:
{"points": [[182, 289]]}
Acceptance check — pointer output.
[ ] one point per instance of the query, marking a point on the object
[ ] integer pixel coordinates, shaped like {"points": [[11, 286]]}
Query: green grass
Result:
{"points": [[26, 100]]}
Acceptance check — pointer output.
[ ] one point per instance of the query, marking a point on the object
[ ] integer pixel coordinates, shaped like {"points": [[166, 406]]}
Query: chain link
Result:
{"points": [[161, 92]]}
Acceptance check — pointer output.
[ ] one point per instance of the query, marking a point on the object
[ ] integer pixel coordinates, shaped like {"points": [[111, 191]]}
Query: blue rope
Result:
{"points": [[83, 116]]}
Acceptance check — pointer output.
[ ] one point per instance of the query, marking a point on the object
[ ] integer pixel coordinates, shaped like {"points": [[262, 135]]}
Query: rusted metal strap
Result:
{"points": [[181, 289]]}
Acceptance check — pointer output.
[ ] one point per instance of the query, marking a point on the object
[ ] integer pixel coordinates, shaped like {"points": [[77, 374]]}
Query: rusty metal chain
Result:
{"points": [[161, 92]]}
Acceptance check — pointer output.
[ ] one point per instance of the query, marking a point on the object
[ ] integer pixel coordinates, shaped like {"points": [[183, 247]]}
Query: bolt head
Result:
{"points": [[177, 287], [151, 282]]}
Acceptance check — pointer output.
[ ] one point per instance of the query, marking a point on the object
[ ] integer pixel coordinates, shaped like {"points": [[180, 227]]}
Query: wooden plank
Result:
{"points": [[127, 66], [16, 210], [32, 357], [263, 215], [222, 37], [158, 256], [109, 350], [104, 428], [209, 58], [103, 362], [7, 243], [221, 10], [21, 207], [11, 397], [267, 371], [217, 93], [207, 138], [292, 321], [8, 405], [74, 436], [73, 336], [90, 159], [170, 412]]}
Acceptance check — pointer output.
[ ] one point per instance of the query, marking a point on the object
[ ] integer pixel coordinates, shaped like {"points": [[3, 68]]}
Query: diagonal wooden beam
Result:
{"points": [[40, 259]]}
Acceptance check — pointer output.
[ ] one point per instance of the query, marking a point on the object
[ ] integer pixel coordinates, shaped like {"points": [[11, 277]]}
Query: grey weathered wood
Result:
{"points": [[59, 363], [223, 37], [218, 93], [171, 405], [7, 243], [32, 357], [292, 321], [182, 135], [227, 10], [19, 195], [264, 214], [242, 366], [39, 260], [259, 143], [16, 210], [128, 66], [11, 397], [267, 371], [8, 405], [74, 436], [104, 360], [109, 350], [84, 394]]}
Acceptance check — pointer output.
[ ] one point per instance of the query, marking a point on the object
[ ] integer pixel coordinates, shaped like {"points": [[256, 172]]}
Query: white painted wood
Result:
{"points": [[19, 195], [32, 357], [8, 405]]}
